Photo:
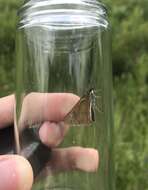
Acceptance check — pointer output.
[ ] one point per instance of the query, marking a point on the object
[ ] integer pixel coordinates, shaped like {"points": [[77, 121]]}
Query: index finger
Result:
{"points": [[6, 111], [37, 107], [40, 107]]}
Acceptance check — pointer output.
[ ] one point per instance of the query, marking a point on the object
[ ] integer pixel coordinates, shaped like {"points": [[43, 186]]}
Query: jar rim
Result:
{"points": [[33, 8], [91, 3]]}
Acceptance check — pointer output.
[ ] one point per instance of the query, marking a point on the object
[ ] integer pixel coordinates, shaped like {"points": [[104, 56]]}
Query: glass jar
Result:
{"points": [[63, 114]]}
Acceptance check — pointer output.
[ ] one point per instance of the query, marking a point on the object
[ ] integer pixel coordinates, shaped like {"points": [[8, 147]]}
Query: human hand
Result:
{"points": [[51, 134]]}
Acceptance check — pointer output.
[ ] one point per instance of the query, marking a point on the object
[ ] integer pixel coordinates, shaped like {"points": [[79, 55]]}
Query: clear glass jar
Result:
{"points": [[63, 115]]}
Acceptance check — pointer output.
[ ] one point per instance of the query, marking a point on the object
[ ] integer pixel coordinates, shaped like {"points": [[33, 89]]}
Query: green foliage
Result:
{"points": [[130, 58], [7, 45], [130, 46], [131, 133]]}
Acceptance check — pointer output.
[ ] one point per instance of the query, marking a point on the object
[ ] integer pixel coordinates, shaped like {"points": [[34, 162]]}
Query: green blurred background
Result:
{"points": [[129, 20]]}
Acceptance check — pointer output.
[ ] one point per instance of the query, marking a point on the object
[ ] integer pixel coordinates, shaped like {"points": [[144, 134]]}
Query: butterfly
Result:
{"points": [[83, 111]]}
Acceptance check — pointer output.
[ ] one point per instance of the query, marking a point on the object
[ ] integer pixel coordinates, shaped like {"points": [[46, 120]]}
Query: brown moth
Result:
{"points": [[83, 111]]}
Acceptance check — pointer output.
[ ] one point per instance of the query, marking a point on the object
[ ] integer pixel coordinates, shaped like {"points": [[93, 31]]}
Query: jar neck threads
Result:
{"points": [[63, 13]]}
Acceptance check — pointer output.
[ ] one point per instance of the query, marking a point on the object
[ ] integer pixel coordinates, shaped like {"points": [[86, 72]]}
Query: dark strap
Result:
{"points": [[37, 156], [7, 145]]}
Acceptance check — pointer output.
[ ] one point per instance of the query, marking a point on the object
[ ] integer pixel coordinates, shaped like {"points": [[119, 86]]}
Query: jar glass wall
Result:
{"points": [[63, 115]]}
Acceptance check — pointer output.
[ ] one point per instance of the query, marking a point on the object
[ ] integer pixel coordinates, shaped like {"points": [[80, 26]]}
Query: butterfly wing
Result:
{"points": [[80, 113]]}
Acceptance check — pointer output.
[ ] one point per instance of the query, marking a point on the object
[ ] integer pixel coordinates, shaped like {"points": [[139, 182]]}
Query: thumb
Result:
{"points": [[15, 173]]}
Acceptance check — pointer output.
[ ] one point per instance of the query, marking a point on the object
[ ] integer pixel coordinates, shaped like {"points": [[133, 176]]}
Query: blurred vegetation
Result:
{"points": [[129, 20]]}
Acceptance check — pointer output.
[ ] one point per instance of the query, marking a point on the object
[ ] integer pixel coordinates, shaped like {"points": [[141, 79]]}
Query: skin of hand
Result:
{"points": [[16, 172]]}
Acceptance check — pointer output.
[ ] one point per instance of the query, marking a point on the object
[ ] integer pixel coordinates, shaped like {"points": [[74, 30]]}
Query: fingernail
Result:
{"points": [[49, 132], [52, 134], [88, 160], [15, 173]]}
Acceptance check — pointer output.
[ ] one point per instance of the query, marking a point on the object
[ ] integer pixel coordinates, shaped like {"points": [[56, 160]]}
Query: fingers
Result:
{"points": [[52, 134], [6, 110], [73, 158], [15, 173], [65, 159], [39, 107]]}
